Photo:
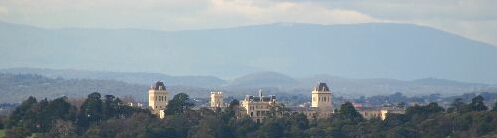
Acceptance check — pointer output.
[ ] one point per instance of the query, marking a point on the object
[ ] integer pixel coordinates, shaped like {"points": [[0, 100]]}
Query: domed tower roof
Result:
{"points": [[159, 86], [322, 87]]}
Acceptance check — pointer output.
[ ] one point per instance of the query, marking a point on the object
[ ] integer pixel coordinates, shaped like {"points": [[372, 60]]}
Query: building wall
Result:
{"points": [[158, 100], [370, 113], [258, 108], [217, 99], [321, 100], [380, 113]]}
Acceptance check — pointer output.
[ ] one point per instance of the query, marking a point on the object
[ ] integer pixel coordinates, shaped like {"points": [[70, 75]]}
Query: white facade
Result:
{"points": [[322, 98], [258, 107], [217, 99], [158, 98]]}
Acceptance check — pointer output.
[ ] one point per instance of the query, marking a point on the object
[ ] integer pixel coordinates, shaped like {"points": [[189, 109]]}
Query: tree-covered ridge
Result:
{"points": [[20, 86], [107, 116]]}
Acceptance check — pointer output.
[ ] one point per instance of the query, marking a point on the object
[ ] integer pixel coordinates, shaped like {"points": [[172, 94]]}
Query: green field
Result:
{"points": [[2, 133]]}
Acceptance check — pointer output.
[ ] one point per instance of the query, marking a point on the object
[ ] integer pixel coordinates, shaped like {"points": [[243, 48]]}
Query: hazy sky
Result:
{"points": [[475, 19]]}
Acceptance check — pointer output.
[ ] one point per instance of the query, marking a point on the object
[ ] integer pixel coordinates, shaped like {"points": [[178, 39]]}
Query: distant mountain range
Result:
{"points": [[80, 83], [359, 51]]}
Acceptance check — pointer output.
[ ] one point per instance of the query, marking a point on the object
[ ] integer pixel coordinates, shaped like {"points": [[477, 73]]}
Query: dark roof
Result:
{"points": [[159, 85], [258, 99], [322, 87]]}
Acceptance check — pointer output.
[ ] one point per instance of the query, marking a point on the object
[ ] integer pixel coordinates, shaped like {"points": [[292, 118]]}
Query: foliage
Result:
{"points": [[109, 117], [179, 104], [477, 104], [349, 113]]}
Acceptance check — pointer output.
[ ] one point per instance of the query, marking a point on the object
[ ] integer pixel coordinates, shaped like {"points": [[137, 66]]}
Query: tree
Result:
{"points": [[296, 124], [210, 126], [2, 119], [347, 111], [431, 108], [19, 113], [477, 104], [271, 128], [458, 106], [138, 125], [179, 104], [61, 129], [243, 127], [495, 106], [230, 111], [90, 111]]}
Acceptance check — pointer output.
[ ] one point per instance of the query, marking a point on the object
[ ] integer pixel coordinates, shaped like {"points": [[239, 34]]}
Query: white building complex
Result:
{"points": [[258, 107]]}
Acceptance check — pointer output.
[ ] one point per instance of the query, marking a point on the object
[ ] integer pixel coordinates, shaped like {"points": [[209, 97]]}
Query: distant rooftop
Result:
{"points": [[260, 98]]}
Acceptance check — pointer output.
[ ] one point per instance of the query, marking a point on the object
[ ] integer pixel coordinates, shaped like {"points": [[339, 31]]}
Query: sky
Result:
{"points": [[474, 19]]}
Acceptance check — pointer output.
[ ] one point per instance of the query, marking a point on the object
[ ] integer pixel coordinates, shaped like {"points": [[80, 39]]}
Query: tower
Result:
{"points": [[158, 98], [217, 99], [321, 98]]}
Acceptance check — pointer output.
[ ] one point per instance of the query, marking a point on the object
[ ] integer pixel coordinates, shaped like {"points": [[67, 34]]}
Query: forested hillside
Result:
{"points": [[16, 87]]}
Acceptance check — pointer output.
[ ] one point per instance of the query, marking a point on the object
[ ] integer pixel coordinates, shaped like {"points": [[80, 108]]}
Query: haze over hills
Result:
{"points": [[132, 78], [360, 51], [80, 83]]}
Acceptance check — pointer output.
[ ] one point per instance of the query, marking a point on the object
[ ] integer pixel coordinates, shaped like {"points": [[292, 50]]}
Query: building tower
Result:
{"points": [[217, 99], [158, 98], [321, 98]]}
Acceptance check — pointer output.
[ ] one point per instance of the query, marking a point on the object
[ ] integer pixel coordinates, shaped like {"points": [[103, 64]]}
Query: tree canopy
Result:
{"points": [[179, 104], [107, 116]]}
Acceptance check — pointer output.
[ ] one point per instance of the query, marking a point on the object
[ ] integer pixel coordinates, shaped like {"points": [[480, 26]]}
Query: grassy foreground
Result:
{"points": [[2, 133]]}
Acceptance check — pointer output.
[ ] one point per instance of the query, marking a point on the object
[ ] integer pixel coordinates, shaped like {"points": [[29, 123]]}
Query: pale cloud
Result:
{"points": [[252, 12], [3, 11], [474, 19], [480, 30]]}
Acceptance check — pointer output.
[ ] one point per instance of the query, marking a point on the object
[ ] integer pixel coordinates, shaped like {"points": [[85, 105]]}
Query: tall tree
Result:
{"points": [[458, 106], [90, 111], [347, 111], [179, 104], [230, 111], [477, 104]]}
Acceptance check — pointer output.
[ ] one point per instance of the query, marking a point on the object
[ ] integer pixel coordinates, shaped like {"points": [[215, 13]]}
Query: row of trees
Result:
{"points": [[60, 118], [109, 117]]}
